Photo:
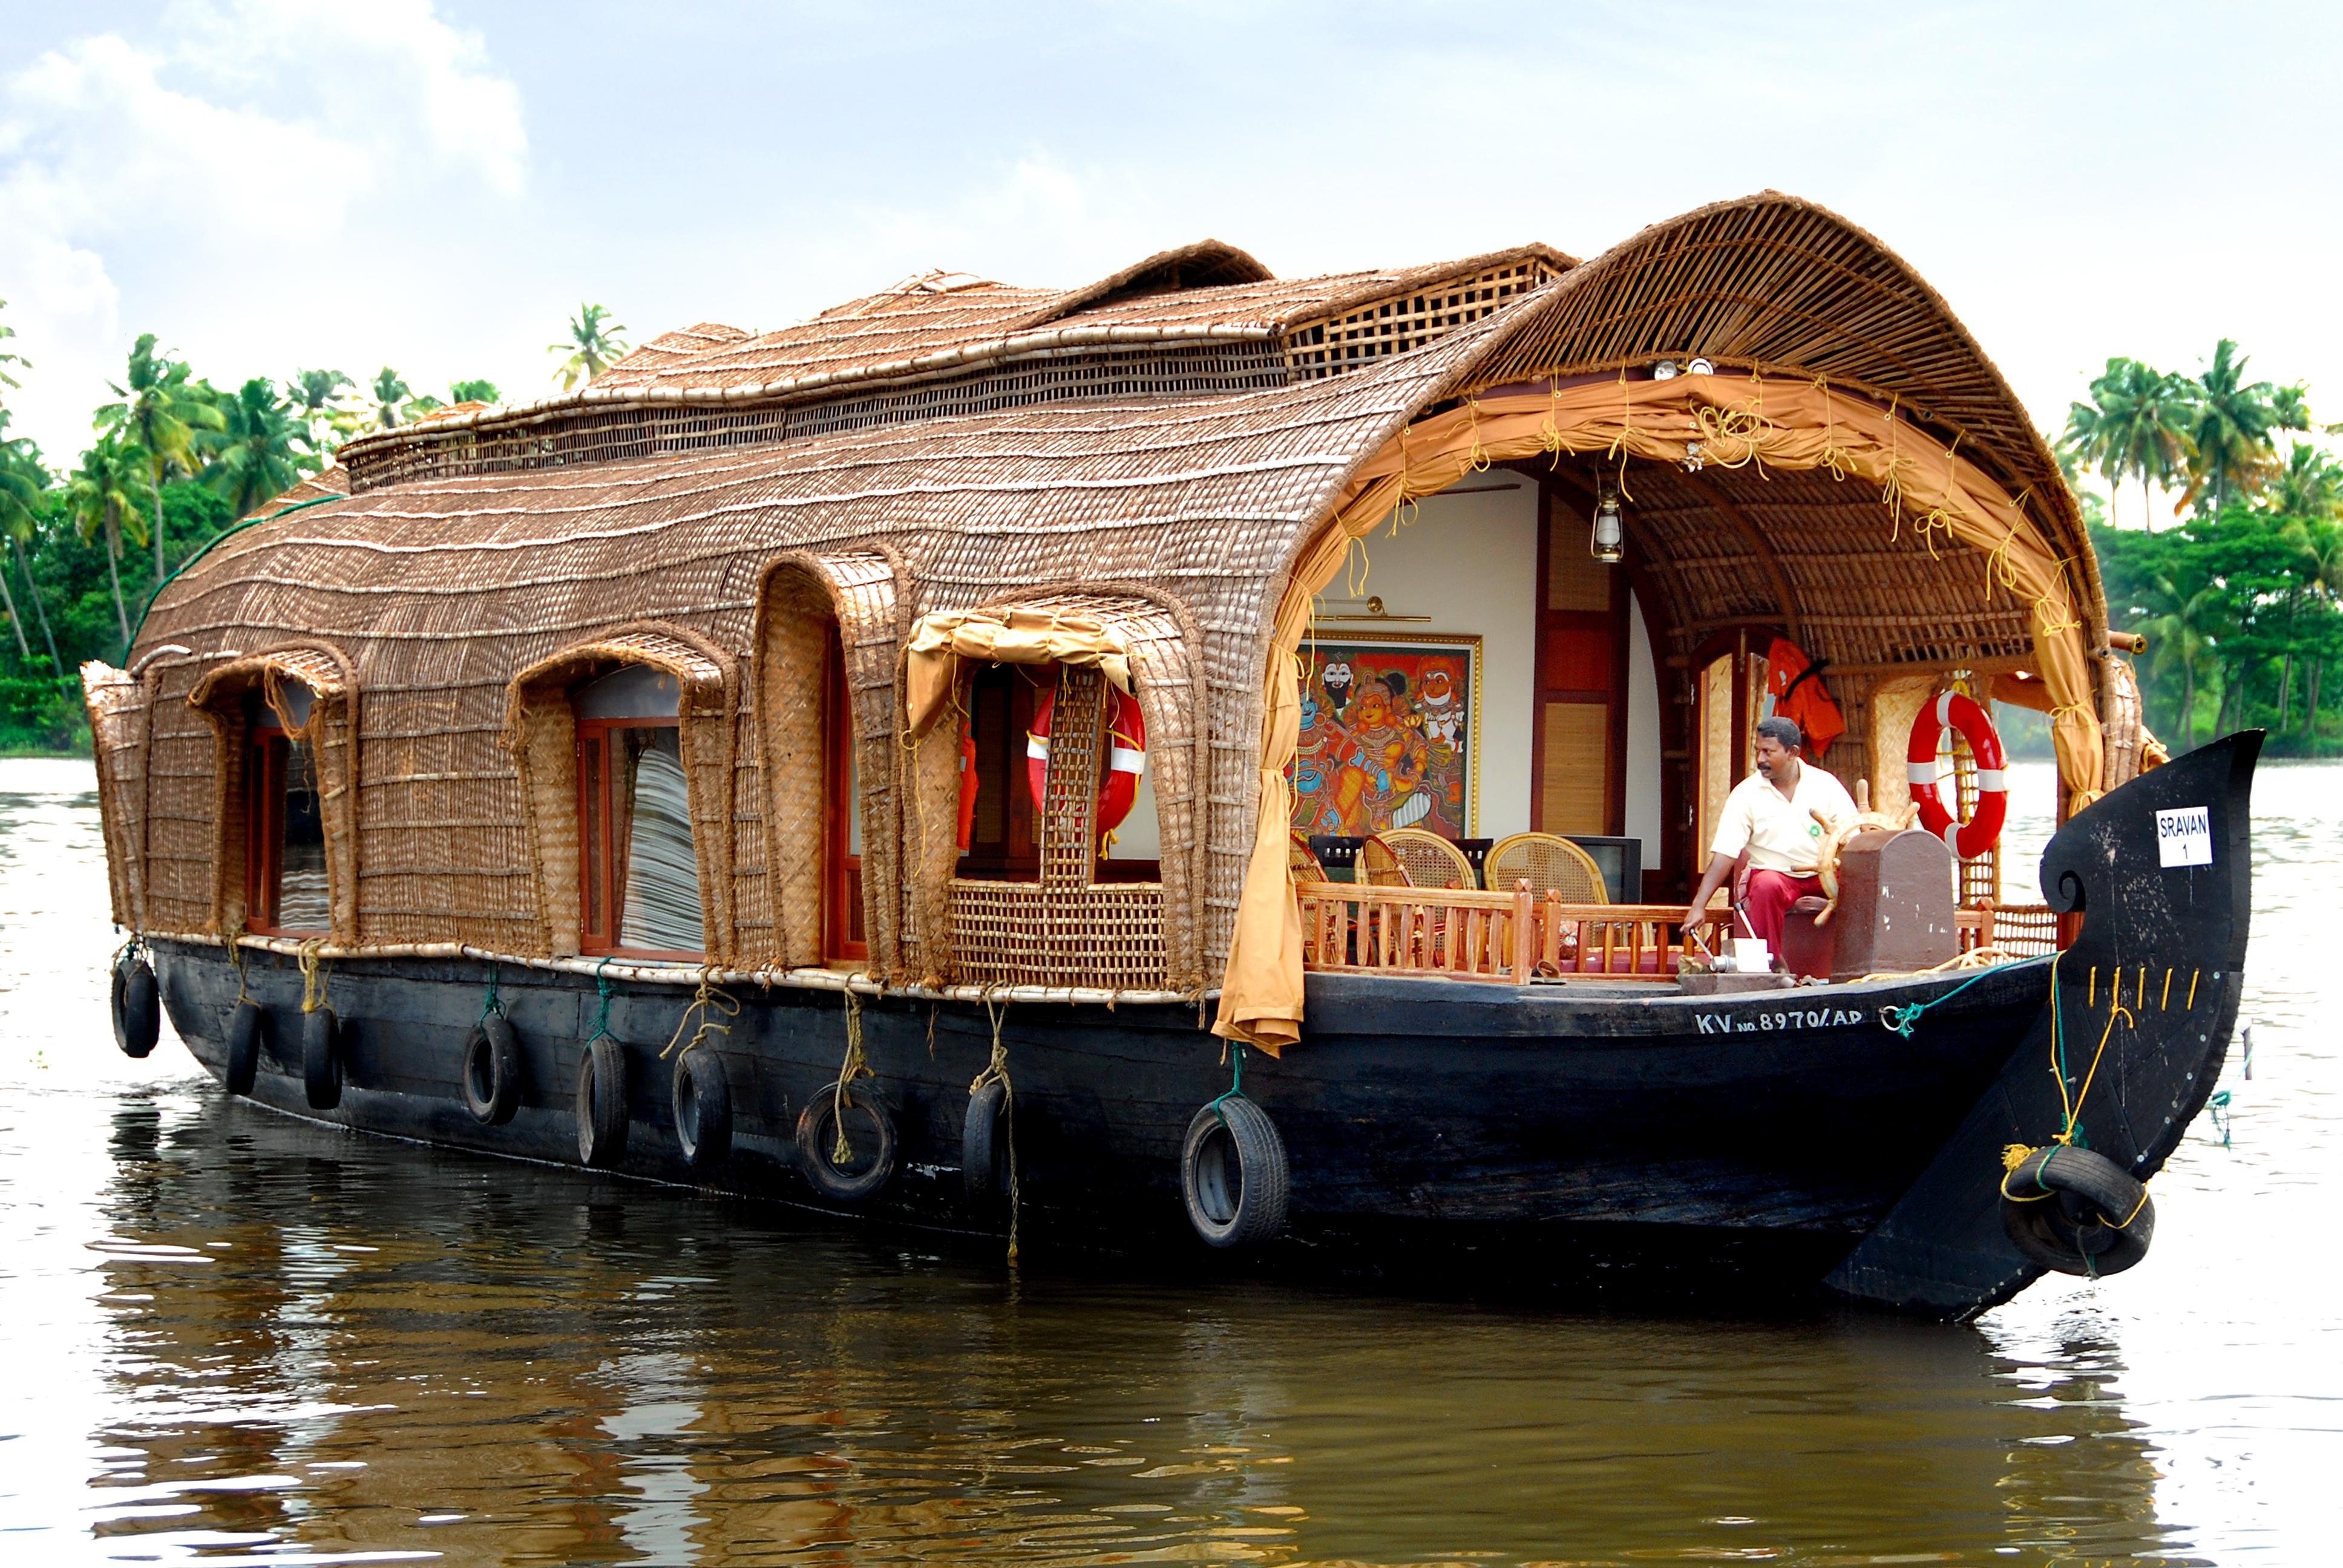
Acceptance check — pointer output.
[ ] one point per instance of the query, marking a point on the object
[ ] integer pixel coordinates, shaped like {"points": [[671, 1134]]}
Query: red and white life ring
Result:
{"points": [[1981, 832], [967, 790], [1126, 757]]}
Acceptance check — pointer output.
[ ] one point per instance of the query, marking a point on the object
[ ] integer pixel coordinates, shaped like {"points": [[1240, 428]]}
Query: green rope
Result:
{"points": [[602, 1020], [1900, 1020], [492, 1003], [2219, 1106], [1236, 1083], [206, 547]]}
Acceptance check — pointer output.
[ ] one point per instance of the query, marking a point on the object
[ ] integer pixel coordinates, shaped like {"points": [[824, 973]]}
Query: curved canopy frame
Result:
{"points": [[331, 730], [1727, 421]]}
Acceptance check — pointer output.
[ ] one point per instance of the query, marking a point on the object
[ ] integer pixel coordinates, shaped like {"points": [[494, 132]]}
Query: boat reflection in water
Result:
{"points": [[393, 1348]]}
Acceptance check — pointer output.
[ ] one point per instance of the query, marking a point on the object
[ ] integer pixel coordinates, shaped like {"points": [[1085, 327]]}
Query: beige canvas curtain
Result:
{"points": [[1733, 421], [939, 641]]}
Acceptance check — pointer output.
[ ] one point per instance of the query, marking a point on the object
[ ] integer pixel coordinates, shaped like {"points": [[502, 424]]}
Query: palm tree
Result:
{"points": [[594, 346], [2183, 636], [474, 392], [2309, 485], [160, 412], [255, 458], [8, 358], [388, 392], [2134, 426], [20, 498], [2229, 428], [318, 402], [101, 497]]}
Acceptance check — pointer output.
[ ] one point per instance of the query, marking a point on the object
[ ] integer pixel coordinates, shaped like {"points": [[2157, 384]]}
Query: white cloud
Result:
{"points": [[186, 158]]}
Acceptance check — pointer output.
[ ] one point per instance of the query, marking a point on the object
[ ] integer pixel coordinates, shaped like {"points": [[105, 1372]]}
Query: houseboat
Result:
{"points": [[1212, 757]]}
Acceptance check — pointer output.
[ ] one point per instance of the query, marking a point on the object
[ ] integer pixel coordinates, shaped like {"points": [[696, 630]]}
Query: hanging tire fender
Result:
{"points": [[868, 1125], [703, 1109], [601, 1108], [2077, 1212], [321, 1057], [984, 1144], [137, 1006], [1233, 1174], [248, 1037], [492, 1070]]}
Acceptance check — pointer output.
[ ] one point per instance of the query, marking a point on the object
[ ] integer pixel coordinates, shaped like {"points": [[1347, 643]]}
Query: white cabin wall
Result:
{"points": [[1643, 740], [1469, 561], [1140, 837]]}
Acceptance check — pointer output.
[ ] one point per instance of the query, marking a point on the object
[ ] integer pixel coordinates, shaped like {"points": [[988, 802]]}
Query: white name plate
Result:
{"points": [[2185, 837]]}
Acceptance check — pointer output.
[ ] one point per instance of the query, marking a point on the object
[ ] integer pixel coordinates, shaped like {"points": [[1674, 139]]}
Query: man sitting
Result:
{"points": [[1780, 814]]}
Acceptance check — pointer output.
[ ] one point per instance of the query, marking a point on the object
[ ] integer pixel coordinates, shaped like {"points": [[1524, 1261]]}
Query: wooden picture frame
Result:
{"points": [[1390, 734]]}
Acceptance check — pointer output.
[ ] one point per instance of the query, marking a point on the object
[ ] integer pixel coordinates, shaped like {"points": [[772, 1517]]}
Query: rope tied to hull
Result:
{"points": [[491, 1003], [706, 1003], [313, 975], [852, 1068], [601, 1018], [1236, 1082], [1900, 1021], [996, 1072]]}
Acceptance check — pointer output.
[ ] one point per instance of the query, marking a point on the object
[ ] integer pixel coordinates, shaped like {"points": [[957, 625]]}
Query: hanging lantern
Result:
{"points": [[1607, 545]]}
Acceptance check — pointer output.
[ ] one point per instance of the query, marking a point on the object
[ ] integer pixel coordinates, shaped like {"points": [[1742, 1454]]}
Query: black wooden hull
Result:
{"points": [[1531, 1124]]}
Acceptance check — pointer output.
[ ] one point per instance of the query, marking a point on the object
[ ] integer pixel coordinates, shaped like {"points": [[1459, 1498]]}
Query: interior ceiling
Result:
{"points": [[1821, 558]]}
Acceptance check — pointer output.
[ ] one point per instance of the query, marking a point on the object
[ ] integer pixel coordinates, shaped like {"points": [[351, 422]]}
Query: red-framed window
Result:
{"points": [[843, 936], [1004, 844], [285, 836], [637, 864]]}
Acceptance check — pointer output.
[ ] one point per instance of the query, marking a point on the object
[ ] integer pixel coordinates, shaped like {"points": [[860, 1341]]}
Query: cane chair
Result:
{"points": [[1548, 860], [1300, 862], [1380, 866], [1432, 862]]}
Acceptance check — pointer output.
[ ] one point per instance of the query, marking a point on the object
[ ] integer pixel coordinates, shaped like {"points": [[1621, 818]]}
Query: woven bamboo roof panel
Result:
{"points": [[444, 590], [1769, 281]]}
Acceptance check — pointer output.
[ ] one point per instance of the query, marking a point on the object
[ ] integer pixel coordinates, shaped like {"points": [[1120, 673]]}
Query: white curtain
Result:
{"points": [[662, 903]]}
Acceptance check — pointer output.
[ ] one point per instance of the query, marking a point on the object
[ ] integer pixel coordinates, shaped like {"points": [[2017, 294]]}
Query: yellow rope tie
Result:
{"points": [[1550, 435], [313, 975], [235, 961], [1836, 458], [996, 1072], [2013, 1155], [2092, 999], [1477, 461], [852, 1068], [2139, 998], [2190, 1005], [706, 1003], [2164, 1004]]}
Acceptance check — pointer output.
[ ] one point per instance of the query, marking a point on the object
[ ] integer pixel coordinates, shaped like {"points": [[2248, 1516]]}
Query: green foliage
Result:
{"points": [[593, 346], [2231, 428], [2136, 425], [7, 357], [162, 409], [262, 452], [2243, 611], [474, 392]]}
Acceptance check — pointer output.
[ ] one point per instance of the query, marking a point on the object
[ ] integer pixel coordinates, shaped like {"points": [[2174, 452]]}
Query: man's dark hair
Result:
{"points": [[1782, 731]]}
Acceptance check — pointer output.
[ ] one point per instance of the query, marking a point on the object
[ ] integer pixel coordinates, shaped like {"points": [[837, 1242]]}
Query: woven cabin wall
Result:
{"points": [[792, 644], [117, 728], [184, 786]]}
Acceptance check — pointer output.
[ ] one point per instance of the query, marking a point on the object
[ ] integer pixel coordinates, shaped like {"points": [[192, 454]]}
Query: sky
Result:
{"points": [[436, 184]]}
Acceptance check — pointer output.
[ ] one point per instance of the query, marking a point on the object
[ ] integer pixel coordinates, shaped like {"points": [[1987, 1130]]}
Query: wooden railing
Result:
{"points": [[2022, 930], [1509, 937]]}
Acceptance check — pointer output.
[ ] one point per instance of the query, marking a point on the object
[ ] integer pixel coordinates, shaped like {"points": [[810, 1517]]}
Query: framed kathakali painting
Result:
{"points": [[1390, 735]]}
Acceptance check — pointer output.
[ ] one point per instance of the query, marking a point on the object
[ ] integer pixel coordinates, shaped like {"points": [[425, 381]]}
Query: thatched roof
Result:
{"points": [[1188, 483]]}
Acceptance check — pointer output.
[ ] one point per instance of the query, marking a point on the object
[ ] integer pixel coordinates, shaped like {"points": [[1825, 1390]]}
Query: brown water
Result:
{"points": [[235, 1338]]}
